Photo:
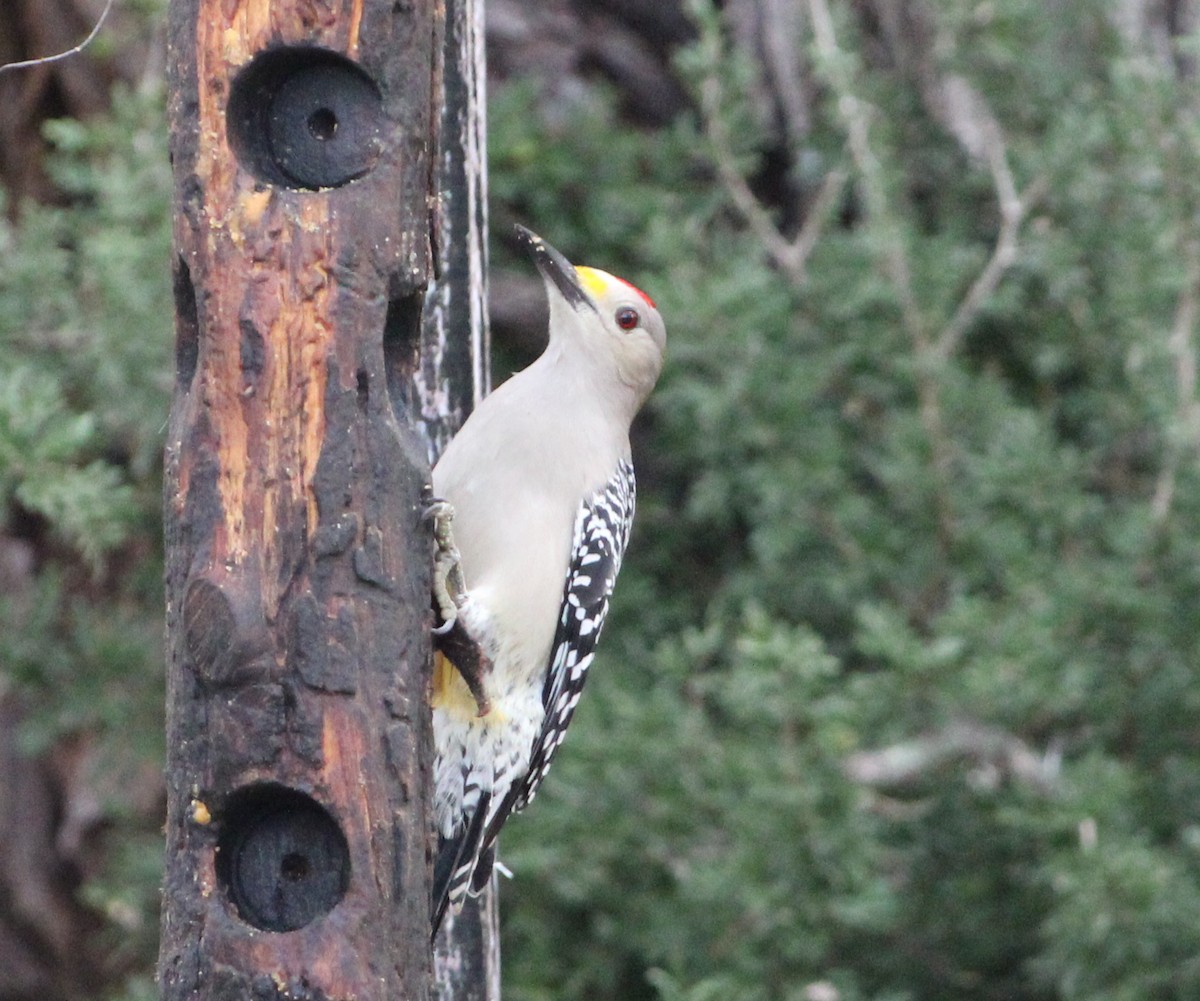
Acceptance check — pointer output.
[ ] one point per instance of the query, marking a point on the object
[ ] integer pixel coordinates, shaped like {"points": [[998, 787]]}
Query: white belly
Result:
{"points": [[482, 755]]}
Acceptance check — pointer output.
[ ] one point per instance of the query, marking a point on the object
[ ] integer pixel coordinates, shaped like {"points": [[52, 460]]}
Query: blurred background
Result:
{"points": [[898, 698]]}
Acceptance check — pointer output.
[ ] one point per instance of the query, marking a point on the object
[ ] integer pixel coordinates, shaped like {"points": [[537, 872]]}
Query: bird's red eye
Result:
{"points": [[627, 318]]}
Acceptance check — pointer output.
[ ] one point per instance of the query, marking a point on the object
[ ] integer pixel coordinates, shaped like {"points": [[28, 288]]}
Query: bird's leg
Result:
{"points": [[449, 588], [449, 592], [468, 658]]}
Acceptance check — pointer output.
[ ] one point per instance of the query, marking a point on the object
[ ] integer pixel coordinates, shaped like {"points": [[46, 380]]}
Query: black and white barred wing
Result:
{"points": [[601, 534]]}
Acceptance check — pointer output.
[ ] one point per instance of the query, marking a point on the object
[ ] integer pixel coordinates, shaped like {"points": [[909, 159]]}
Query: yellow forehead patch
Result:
{"points": [[597, 282], [594, 280]]}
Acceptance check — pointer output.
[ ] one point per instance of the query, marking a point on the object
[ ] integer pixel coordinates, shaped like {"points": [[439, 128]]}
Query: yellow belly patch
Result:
{"points": [[451, 694]]}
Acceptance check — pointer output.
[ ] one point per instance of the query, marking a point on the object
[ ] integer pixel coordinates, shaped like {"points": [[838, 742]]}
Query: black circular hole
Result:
{"points": [[294, 867], [323, 124], [304, 117], [282, 860]]}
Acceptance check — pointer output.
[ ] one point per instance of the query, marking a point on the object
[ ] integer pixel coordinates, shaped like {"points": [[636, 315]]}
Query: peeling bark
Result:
{"points": [[297, 556]]}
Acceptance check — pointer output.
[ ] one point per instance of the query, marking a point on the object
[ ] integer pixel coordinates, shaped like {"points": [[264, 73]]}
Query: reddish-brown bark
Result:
{"points": [[297, 558]]}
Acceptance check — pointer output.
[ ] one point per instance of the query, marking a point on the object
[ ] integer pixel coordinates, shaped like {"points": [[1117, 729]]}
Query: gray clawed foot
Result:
{"points": [[449, 588], [449, 592]]}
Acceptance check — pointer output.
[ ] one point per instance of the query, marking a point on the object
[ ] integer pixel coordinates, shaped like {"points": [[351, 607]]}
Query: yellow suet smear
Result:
{"points": [[450, 692]]}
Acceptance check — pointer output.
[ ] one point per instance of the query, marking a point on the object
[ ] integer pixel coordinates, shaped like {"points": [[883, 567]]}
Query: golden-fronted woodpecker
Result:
{"points": [[539, 488]]}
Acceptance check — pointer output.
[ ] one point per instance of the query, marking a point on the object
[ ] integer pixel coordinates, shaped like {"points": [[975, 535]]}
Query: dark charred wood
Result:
{"points": [[297, 560]]}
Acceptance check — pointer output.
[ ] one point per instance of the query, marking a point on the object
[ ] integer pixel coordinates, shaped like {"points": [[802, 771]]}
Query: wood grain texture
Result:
{"points": [[297, 560], [452, 379]]}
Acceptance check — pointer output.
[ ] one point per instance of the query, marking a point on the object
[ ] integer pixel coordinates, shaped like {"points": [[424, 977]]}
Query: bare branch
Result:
{"points": [[966, 111], [894, 260], [806, 240], [991, 753], [790, 256], [1003, 257], [780, 33], [1182, 348], [856, 117], [57, 57]]}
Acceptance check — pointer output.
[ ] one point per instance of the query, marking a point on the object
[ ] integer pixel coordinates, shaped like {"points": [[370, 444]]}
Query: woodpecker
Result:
{"points": [[536, 499]]}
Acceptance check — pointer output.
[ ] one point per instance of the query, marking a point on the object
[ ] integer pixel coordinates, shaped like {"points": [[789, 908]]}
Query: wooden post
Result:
{"points": [[302, 139], [455, 345], [454, 376]]}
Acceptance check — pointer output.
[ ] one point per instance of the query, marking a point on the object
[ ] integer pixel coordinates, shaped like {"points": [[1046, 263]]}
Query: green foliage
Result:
{"points": [[897, 697], [976, 567], [85, 333], [1125, 925], [42, 443]]}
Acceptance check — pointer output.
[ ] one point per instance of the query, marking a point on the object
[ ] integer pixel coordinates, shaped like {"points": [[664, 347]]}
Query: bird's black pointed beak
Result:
{"points": [[555, 267]]}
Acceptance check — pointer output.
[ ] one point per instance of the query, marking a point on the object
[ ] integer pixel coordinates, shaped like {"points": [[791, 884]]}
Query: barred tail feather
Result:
{"points": [[483, 870], [456, 862]]}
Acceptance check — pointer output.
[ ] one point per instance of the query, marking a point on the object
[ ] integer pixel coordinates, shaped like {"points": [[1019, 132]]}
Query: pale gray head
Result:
{"points": [[616, 324]]}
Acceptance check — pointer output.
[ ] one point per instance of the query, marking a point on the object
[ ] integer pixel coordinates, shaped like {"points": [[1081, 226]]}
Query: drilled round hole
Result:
{"points": [[282, 860], [322, 123], [305, 117], [294, 867]]}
